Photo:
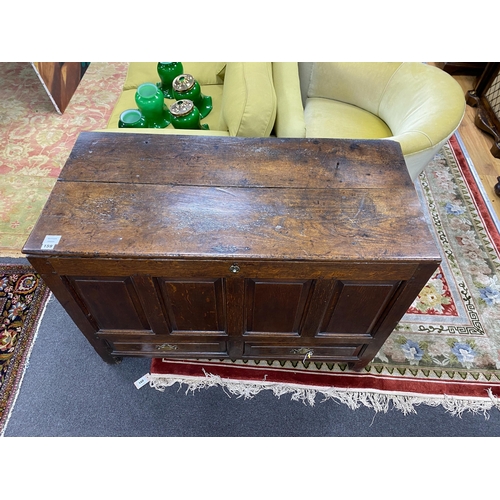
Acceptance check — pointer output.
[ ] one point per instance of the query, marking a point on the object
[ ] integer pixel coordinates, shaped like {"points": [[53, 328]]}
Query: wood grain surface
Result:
{"points": [[134, 196]]}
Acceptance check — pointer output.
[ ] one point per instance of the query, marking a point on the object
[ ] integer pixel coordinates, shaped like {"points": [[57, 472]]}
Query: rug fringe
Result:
{"points": [[379, 401]]}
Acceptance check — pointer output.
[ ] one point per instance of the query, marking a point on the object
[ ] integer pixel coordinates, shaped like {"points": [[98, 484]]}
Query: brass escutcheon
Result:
{"points": [[166, 347], [303, 350]]}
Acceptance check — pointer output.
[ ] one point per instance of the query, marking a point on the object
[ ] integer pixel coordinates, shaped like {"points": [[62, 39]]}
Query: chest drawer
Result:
{"points": [[298, 351], [169, 349]]}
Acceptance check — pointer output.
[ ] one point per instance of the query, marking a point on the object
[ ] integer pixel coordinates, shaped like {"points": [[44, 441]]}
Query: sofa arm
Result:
{"points": [[422, 105], [290, 120], [248, 100]]}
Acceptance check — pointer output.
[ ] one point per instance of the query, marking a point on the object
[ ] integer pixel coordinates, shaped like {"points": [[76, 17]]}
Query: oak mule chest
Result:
{"points": [[226, 247]]}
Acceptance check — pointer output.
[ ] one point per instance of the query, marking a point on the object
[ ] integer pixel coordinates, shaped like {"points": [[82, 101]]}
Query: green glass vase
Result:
{"points": [[186, 87], [150, 101], [186, 115], [131, 118], [167, 71]]}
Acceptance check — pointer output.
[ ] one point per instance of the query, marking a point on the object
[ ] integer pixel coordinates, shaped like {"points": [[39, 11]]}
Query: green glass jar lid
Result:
{"points": [[182, 83], [182, 107]]}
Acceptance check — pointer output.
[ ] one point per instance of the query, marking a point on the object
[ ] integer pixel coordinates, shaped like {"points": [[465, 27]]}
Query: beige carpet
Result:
{"points": [[36, 141]]}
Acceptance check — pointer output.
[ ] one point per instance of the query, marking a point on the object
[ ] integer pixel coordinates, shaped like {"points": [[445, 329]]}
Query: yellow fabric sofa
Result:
{"points": [[416, 104], [243, 97]]}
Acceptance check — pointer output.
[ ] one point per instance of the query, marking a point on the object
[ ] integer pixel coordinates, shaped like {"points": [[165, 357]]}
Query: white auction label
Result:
{"points": [[142, 381], [50, 241]]}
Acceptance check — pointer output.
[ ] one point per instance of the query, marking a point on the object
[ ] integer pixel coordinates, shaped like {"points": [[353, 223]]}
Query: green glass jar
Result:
{"points": [[150, 101], [131, 118], [186, 87], [186, 115], [167, 71]]}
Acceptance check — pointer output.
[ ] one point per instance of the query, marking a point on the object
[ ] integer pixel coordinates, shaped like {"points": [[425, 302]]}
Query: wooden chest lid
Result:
{"points": [[168, 196]]}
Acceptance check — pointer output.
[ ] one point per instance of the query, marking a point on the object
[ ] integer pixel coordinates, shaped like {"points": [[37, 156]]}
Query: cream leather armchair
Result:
{"points": [[415, 104]]}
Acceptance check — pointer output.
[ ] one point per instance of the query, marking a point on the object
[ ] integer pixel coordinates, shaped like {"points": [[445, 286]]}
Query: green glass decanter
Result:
{"points": [[131, 118], [167, 71], [186, 115], [186, 87], [150, 101]]}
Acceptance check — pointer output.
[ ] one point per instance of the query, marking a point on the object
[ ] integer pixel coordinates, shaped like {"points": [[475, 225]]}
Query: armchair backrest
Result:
{"points": [[420, 103], [359, 84]]}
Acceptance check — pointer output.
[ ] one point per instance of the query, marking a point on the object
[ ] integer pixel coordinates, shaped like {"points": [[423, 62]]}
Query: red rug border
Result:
{"points": [[475, 193], [351, 381]]}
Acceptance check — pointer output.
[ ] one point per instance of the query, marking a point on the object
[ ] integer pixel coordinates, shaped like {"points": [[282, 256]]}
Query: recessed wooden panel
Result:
{"points": [[275, 306], [112, 303], [194, 305], [356, 306]]}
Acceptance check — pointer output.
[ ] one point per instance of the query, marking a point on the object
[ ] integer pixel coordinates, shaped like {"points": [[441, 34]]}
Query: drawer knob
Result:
{"points": [[166, 347], [235, 268]]}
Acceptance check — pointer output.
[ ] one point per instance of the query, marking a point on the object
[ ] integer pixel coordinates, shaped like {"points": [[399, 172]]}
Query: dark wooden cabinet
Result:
{"points": [[231, 247], [486, 97], [462, 68]]}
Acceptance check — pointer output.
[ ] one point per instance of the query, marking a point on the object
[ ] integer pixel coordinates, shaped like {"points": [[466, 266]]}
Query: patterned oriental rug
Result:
{"points": [[23, 297], [35, 141], [446, 349]]}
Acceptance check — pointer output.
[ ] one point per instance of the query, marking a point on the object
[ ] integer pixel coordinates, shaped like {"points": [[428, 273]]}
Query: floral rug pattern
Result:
{"points": [[22, 297], [454, 324], [36, 140]]}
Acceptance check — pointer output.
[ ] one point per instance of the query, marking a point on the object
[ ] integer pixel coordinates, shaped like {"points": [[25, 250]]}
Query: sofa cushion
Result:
{"points": [[205, 73], [339, 120], [248, 100]]}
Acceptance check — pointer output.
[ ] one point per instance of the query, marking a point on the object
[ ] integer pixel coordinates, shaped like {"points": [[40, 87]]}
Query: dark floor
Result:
{"points": [[69, 391]]}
